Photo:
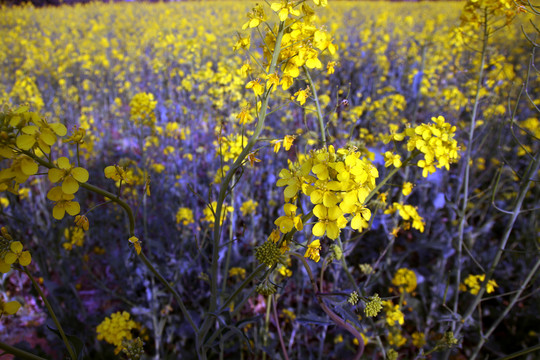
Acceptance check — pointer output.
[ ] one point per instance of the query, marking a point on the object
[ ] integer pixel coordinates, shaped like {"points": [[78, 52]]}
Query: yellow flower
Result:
{"points": [[330, 67], [117, 173], [256, 86], [116, 329], [473, 283], [8, 308], [407, 188], [393, 313], [16, 253], [313, 250], [331, 220], [135, 241], [302, 95], [63, 204], [184, 216], [289, 220], [405, 279], [237, 271], [392, 159], [69, 175], [248, 207]]}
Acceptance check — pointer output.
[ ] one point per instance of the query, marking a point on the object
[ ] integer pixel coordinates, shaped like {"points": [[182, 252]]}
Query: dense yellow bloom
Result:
{"points": [[393, 313], [116, 328], [248, 207], [405, 280], [472, 284], [184, 216], [142, 109]]}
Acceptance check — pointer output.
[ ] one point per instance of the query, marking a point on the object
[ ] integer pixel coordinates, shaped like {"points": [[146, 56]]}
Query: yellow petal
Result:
{"points": [[318, 229], [25, 142], [25, 258], [11, 307], [55, 175], [48, 137], [10, 258], [332, 231], [58, 212], [28, 166], [16, 247], [4, 267], [80, 174], [70, 185], [73, 208], [58, 128], [320, 211], [63, 163]]}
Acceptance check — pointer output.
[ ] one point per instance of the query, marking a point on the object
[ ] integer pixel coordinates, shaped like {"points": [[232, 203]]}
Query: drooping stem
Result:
{"points": [[52, 313]]}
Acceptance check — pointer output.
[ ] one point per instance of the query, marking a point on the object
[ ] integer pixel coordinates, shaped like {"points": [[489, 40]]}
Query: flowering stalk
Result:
{"points": [[467, 163], [534, 165], [224, 189]]}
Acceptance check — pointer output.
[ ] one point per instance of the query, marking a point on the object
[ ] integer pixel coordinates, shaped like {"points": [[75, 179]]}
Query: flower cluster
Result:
{"points": [[74, 236], [117, 328], [301, 44], [409, 214], [11, 252], [405, 280], [142, 109], [472, 284], [337, 184], [435, 141]]}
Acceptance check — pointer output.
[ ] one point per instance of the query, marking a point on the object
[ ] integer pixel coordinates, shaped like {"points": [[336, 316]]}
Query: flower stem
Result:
{"points": [[51, 312], [318, 105]]}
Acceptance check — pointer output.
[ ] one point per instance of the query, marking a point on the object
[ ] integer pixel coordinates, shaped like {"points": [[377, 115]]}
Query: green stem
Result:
{"points": [[513, 302], [18, 352], [171, 290], [526, 181], [51, 312], [463, 216], [266, 324], [319, 113], [339, 321], [224, 189]]}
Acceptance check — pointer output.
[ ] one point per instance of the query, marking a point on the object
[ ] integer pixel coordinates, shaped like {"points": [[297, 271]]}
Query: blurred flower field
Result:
{"points": [[291, 180]]}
